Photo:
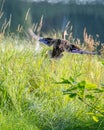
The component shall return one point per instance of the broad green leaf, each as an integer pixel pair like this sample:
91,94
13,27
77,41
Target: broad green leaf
90,113
70,89
81,85
72,95
95,118
90,86
65,81
89,96
97,90
72,79
103,62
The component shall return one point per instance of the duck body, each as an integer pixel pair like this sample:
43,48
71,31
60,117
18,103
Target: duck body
59,45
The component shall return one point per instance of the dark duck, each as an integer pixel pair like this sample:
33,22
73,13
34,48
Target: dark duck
59,45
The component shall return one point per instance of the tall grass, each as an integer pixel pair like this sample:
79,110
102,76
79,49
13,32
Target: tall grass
30,98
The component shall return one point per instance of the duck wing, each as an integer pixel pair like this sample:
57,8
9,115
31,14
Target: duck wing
75,49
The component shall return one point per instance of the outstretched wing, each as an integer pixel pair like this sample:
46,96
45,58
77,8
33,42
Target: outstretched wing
75,49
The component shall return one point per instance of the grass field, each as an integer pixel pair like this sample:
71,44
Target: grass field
33,87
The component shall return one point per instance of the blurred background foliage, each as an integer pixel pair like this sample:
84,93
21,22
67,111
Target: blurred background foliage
89,16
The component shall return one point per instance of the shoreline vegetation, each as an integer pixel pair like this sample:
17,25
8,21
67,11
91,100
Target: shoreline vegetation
41,93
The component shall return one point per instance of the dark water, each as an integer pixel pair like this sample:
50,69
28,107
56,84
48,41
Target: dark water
90,16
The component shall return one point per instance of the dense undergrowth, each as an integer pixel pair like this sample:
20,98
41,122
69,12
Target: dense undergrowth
35,90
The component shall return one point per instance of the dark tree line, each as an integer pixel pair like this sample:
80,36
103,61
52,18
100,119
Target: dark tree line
81,16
